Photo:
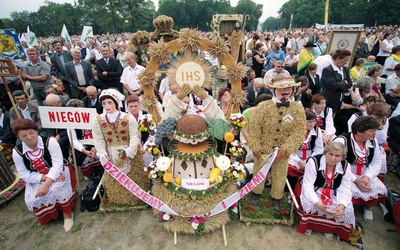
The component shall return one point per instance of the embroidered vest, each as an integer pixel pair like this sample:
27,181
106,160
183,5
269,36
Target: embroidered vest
352,157
320,182
46,157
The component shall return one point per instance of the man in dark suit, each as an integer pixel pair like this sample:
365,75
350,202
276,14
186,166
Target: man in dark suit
79,74
253,90
92,99
58,61
109,70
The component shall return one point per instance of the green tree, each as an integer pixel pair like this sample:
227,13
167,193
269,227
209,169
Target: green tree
119,15
252,9
193,13
19,21
272,23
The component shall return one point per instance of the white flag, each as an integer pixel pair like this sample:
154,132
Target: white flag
31,39
86,33
65,35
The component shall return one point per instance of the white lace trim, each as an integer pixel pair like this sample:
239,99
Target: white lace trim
377,188
347,218
59,192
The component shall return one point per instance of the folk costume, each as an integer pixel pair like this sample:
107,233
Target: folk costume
331,190
47,160
312,145
116,136
280,124
367,162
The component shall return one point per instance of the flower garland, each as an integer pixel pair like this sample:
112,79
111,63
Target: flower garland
147,123
158,170
238,121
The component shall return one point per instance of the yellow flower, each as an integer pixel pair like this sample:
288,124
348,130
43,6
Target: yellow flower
240,175
178,181
155,150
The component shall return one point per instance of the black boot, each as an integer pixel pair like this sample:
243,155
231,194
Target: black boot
255,199
276,204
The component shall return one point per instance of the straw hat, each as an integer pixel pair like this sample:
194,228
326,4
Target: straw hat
282,83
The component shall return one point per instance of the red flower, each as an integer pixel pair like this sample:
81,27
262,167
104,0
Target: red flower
123,132
124,138
283,212
104,125
124,124
268,203
106,202
253,209
109,133
109,140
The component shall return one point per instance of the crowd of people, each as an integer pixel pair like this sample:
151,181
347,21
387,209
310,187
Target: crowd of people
341,160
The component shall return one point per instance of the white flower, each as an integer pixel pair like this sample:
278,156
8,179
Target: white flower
195,225
223,162
152,172
163,163
166,217
235,174
154,176
145,169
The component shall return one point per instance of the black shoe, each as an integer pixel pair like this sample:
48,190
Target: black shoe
255,199
276,204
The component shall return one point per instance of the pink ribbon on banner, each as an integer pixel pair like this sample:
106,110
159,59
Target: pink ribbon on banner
156,203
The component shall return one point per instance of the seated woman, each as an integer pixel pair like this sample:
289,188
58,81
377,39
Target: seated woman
49,184
365,158
380,111
357,71
312,145
325,194
367,88
116,136
324,119
85,154
374,73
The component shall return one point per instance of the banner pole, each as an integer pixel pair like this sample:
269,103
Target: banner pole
11,97
74,158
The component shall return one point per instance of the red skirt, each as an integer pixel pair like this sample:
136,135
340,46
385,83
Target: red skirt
319,223
45,214
322,224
